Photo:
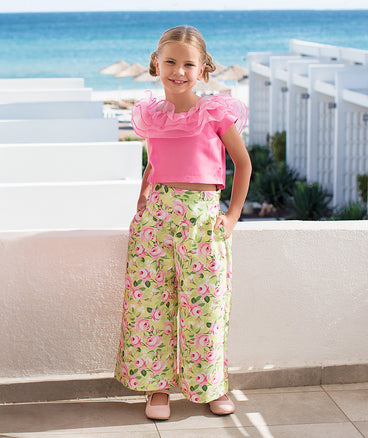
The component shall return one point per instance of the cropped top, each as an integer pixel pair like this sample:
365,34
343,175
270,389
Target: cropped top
186,147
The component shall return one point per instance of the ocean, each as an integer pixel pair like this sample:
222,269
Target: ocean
80,44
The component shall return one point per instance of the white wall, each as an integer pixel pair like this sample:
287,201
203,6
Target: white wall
299,297
51,110
61,162
31,83
58,130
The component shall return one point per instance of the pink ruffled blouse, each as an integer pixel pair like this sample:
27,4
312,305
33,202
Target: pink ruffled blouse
186,147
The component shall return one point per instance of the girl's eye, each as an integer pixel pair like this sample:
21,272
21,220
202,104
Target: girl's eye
170,62
189,65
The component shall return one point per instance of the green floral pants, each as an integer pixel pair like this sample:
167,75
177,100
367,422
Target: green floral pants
177,296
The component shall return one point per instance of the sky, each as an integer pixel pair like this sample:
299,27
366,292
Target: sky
157,5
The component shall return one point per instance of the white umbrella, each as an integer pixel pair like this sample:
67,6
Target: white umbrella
133,70
233,73
145,77
212,85
219,69
115,68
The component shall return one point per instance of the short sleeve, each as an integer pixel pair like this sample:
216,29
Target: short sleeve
224,124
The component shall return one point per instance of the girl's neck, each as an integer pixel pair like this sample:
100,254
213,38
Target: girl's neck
182,103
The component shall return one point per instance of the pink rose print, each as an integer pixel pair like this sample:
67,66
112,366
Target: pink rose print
159,225
133,382
179,207
157,252
216,378
215,328
201,379
153,341
182,322
135,340
182,251
204,249
172,342
142,324
163,384
124,370
185,233
128,282
194,397
131,231
158,366
203,290
139,250
195,310
219,291
124,323
165,296
160,278
137,294
168,327
212,356
197,267
144,274
125,305
179,191
138,216
201,340
182,341
154,198
140,363
214,266
195,357
156,314
213,210
184,300
185,386
147,233
178,270
168,241
163,215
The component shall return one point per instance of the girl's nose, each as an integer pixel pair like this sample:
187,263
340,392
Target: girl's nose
180,70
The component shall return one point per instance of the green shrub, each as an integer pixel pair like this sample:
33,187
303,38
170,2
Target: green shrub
144,158
261,159
308,202
353,212
362,181
276,184
278,146
226,192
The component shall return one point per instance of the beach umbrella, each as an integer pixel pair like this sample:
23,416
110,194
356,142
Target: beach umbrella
212,85
133,70
233,73
219,69
145,77
115,68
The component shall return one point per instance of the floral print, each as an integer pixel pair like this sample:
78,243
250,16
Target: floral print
177,296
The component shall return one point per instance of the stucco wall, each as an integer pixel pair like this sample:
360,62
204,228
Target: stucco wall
299,297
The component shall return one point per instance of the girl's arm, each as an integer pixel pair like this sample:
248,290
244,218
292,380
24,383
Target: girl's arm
143,195
243,169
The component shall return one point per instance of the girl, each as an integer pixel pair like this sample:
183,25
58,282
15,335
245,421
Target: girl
179,254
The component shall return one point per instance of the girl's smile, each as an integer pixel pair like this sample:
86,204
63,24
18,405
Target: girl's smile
179,66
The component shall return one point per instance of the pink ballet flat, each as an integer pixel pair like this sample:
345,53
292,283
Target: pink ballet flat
156,411
222,407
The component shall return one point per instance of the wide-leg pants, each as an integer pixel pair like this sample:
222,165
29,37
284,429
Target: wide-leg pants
177,296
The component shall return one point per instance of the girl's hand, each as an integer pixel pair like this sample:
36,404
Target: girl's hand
141,204
227,221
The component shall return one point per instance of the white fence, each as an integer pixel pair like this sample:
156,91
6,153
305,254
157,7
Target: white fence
319,95
61,166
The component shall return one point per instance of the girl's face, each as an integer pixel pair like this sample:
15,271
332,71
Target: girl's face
179,67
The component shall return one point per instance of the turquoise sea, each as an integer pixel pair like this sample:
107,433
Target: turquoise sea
80,44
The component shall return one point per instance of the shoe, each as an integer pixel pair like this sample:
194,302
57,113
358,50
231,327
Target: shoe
222,406
158,411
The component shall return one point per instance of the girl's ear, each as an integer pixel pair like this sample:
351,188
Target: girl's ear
201,71
157,68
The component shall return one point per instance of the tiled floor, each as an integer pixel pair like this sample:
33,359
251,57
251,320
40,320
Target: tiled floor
329,411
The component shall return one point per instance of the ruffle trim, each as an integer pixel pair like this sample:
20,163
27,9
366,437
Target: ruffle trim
155,117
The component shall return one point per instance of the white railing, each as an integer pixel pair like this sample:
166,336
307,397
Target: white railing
319,95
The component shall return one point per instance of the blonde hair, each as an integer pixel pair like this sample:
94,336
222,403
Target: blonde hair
185,35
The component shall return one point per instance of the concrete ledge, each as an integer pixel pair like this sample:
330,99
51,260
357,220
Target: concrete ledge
104,385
